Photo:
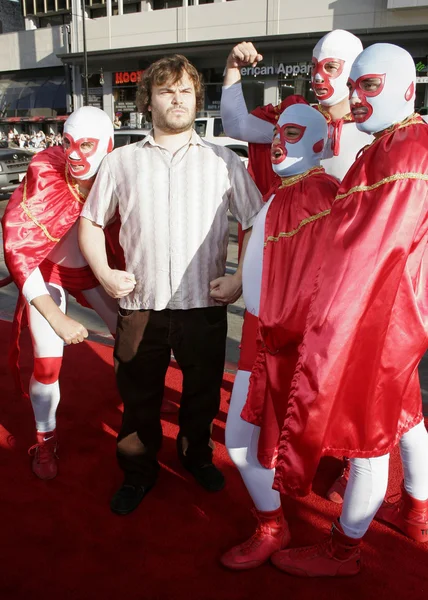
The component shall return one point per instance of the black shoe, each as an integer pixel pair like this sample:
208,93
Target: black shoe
208,476
127,498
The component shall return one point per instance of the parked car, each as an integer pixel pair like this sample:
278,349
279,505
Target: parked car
13,166
123,137
423,112
211,129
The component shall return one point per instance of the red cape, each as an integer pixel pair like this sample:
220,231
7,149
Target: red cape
293,233
356,388
38,215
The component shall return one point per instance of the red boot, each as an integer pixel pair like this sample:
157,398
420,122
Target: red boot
337,556
337,491
408,515
271,535
45,455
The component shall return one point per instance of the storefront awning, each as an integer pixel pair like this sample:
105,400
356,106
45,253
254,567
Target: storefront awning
60,118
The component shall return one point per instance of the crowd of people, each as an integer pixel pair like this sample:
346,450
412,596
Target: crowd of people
333,269
36,141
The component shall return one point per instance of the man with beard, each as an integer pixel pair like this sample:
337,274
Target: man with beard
173,191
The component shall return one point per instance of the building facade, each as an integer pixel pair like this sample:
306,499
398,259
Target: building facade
43,70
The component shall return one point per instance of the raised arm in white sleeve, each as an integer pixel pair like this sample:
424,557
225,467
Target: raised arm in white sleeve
237,122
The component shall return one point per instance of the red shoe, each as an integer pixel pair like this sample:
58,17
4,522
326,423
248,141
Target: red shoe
272,534
45,455
408,515
337,491
337,556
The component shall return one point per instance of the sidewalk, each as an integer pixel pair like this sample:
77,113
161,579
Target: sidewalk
98,331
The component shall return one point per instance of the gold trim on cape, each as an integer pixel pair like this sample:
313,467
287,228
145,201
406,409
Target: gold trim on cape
27,211
293,232
287,181
368,188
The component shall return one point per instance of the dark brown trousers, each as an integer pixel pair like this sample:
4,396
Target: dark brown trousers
144,340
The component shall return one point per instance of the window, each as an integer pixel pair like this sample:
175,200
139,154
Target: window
131,8
53,20
218,128
201,127
96,13
159,4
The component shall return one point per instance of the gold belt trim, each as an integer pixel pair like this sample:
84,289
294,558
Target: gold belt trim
29,214
288,234
368,188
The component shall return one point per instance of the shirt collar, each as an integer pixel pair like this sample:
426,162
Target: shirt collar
195,140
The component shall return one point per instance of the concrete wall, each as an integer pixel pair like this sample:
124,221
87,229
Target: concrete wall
245,19
407,3
31,49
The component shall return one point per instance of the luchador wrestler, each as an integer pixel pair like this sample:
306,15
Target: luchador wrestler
332,59
356,389
43,257
279,268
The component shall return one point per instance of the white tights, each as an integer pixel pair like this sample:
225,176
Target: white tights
368,479
46,344
242,440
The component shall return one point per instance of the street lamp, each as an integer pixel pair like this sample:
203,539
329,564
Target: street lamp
85,58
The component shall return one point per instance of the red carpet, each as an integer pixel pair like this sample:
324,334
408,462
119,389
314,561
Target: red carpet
59,539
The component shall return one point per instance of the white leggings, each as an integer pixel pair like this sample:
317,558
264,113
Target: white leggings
368,478
242,440
47,344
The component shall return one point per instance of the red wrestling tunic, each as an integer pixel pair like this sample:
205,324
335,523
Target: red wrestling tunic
293,246
356,388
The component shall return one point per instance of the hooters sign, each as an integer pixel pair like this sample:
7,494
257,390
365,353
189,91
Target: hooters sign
126,77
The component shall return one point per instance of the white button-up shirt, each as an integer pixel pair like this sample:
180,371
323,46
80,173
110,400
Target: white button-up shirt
173,210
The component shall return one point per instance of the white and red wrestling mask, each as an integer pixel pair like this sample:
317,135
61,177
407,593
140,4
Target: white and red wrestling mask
87,139
331,64
382,87
299,140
